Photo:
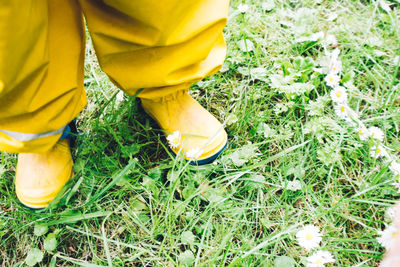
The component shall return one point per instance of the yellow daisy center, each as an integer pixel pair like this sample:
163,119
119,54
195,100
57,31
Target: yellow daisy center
175,140
361,132
378,150
319,261
309,237
342,109
331,79
338,94
395,234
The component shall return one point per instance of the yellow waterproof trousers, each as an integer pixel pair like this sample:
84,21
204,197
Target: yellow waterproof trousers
158,46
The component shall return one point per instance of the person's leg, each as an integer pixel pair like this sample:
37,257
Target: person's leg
392,257
41,91
41,72
163,47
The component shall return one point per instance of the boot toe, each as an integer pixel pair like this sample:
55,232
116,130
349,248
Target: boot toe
40,177
191,129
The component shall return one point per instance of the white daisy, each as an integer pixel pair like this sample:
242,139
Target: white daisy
194,153
341,111
293,185
243,8
309,237
378,151
376,133
395,167
339,94
363,133
332,79
319,259
336,66
387,236
174,139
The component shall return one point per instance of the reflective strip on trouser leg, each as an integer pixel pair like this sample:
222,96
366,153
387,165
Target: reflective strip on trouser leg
161,46
29,137
15,142
41,71
23,142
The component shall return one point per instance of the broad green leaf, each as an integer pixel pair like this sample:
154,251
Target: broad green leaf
255,181
50,243
259,73
231,119
284,261
155,173
138,205
34,256
40,229
187,238
214,195
186,258
124,181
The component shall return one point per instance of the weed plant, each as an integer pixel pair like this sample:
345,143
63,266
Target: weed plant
133,203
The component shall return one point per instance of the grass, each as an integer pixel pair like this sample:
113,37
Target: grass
132,203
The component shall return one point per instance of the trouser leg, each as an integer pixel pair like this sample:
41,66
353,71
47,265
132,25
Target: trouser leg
162,47
41,72
158,46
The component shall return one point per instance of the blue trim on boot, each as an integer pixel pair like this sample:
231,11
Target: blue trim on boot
209,159
34,209
67,133
70,131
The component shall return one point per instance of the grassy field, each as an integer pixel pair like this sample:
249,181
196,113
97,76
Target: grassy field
132,203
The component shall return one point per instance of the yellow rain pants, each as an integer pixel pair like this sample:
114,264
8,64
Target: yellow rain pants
158,46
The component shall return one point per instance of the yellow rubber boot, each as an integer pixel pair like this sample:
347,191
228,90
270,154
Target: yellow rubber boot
191,129
41,176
